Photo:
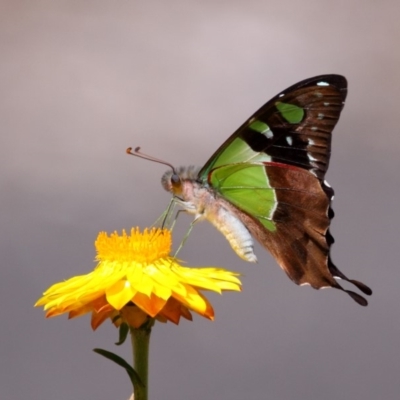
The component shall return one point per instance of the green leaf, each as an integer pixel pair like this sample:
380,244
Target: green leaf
123,333
133,375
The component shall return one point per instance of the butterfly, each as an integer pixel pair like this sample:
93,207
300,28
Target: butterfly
267,182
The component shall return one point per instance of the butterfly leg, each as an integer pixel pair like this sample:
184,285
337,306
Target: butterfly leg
176,218
186,235
166,215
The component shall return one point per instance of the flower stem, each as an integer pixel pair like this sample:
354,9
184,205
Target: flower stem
140,338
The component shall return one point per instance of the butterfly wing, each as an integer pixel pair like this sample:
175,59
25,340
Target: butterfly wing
272,171
292,128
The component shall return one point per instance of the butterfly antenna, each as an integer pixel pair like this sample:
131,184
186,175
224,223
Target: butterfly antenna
138,153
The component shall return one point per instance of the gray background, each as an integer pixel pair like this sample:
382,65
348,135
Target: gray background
82,80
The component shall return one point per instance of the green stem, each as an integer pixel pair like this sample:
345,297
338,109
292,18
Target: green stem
140,338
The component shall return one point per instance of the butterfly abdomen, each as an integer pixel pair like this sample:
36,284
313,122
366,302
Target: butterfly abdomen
234,230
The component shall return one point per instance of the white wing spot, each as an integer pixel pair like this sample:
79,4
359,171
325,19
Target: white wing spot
322,83
321,116
326,104
269,134
311,142
310,157
251,120
327,184
314,128
282,94
289,140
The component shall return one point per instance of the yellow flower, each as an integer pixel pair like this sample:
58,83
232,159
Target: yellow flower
136,279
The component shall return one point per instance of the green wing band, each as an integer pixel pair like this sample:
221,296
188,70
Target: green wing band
292,113
238,152
247,187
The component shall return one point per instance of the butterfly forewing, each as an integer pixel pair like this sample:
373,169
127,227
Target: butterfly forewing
293,128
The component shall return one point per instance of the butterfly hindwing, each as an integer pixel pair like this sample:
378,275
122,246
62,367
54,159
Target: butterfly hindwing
288,212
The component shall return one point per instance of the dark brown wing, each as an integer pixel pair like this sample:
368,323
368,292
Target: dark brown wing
301,241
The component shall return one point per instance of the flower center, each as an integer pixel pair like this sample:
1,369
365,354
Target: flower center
144,247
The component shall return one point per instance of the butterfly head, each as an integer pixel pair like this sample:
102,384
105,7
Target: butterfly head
174,181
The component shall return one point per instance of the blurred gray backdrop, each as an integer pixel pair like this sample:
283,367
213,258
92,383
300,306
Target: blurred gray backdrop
82,80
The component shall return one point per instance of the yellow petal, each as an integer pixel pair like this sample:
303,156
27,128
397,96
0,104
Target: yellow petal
119,294
98,319
150,305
